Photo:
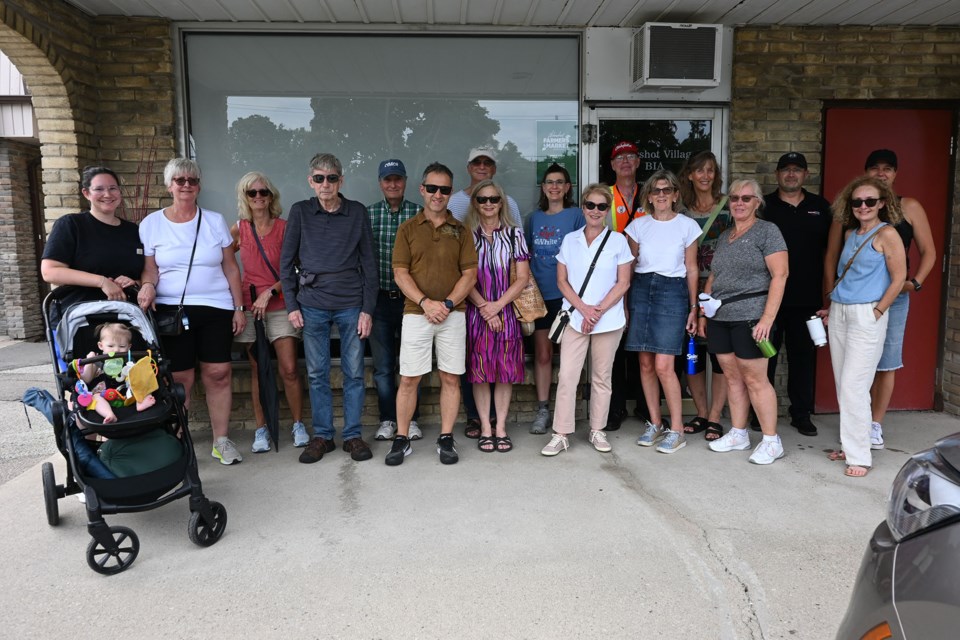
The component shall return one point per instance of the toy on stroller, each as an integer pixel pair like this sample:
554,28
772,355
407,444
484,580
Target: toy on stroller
141,478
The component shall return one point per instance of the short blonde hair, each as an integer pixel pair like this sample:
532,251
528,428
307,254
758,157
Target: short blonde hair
598,188
243,206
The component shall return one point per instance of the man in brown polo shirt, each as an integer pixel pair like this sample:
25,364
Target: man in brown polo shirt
435,265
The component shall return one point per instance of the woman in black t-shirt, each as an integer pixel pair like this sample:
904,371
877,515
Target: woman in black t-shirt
94,250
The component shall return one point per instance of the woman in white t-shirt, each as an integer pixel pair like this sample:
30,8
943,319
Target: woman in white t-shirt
596,317
663,302
207,280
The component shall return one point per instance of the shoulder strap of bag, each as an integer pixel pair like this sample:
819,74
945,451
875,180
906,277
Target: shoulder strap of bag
713,216
263,254
593,264
192,253
846,267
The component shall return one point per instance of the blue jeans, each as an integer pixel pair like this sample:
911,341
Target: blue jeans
384,342
316,346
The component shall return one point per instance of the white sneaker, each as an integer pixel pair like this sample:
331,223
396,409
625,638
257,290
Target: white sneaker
225,451
650,436
672,442
261,440
733,440
766,452
300,436
414,433
599,441
387,430
876,435
557,444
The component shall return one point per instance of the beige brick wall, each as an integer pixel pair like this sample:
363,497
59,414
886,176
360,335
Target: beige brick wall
783,75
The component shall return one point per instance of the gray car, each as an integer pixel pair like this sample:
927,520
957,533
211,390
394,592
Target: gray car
909,581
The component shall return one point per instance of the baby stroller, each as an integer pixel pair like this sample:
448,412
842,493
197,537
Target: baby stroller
114,548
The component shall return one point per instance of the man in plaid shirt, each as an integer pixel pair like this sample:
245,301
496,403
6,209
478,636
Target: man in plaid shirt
385,217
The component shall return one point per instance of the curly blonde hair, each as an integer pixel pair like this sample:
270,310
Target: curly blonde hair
843,211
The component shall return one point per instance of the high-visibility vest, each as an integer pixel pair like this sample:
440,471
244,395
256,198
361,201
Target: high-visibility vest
621,214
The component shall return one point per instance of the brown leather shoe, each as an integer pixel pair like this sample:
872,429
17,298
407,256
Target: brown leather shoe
357,449
315,450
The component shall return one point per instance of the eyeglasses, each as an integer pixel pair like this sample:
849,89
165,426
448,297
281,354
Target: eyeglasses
433,188
486,199
190,181
483,162
263,193
856,203
744,199
590,206
658,190
554,183
625,156
319,178
100,190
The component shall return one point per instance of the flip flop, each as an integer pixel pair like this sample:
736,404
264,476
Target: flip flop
856,471
837,456
696,425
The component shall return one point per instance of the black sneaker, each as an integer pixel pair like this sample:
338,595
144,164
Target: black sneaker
447,449
401,449
804,426
615,418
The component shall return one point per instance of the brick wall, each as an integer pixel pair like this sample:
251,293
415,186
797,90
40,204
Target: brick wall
783,75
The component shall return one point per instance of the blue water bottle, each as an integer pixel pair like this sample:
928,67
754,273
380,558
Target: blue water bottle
691,356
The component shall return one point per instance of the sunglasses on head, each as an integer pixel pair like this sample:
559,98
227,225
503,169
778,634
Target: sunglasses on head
190,181
600,206
658,190
486,199
319,178
856,203
433,188
263,193
744,199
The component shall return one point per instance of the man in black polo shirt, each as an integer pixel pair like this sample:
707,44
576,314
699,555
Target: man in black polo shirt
804,220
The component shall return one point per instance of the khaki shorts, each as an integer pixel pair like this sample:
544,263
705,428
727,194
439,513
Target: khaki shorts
418,336
277,325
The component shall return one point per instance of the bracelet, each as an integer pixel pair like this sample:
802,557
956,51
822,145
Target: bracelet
878,309
420,304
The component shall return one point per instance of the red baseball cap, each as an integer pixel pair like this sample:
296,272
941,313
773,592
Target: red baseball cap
624,147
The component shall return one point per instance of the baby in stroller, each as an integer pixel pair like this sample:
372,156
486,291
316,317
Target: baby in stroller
99,386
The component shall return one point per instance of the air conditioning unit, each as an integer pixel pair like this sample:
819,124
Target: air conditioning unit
676,56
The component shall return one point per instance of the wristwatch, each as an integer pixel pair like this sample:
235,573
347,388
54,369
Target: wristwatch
240,308
916,285
448,303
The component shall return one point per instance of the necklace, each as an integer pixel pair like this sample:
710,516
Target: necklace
737,233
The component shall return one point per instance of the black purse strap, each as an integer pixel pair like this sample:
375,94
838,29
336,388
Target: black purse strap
593,265
263,254
192,253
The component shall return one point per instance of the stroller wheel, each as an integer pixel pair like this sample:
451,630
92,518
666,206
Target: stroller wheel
50,494
108,562
205,533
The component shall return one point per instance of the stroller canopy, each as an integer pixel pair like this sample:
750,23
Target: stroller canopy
75,317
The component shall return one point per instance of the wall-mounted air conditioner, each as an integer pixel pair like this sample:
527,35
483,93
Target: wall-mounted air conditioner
676,56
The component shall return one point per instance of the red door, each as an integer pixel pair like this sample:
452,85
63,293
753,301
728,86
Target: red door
921,140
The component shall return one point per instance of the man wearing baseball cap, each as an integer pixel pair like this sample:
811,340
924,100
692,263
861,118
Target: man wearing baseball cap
804,220
481,165
386,216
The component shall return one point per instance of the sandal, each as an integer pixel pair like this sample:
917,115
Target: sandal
837,456
487,444
856,471
695,425
472,430
714,431
504,444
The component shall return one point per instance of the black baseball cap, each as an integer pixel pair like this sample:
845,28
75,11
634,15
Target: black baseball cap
885,156
792,158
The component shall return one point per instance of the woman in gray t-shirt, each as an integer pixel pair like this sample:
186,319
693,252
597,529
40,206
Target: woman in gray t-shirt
748,274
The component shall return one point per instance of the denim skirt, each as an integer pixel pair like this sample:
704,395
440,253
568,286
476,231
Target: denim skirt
658,314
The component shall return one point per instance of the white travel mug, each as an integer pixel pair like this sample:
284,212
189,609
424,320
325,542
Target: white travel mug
817,333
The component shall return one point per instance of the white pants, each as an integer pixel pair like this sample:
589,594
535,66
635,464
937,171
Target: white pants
856,344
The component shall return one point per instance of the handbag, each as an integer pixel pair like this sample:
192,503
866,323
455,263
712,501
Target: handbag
563,316
169,322
529,305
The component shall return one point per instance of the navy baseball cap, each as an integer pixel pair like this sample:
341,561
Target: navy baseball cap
392,168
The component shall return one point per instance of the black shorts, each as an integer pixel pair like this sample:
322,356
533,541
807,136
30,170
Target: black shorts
733,337
553,308
209,339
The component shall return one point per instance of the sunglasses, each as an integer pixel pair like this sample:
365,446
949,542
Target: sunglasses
433,188
483,162
856,203
486,199
263,193
658,190
600,206
319,178
190,181
743,199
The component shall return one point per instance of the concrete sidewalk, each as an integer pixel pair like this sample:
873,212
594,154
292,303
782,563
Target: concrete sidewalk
632,544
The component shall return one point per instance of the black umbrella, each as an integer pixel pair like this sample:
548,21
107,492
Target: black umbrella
269,399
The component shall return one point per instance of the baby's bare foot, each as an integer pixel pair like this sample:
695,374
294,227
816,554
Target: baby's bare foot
146,403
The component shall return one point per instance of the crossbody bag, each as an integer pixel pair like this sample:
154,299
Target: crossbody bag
563,317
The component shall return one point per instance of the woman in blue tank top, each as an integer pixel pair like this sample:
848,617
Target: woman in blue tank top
871,270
